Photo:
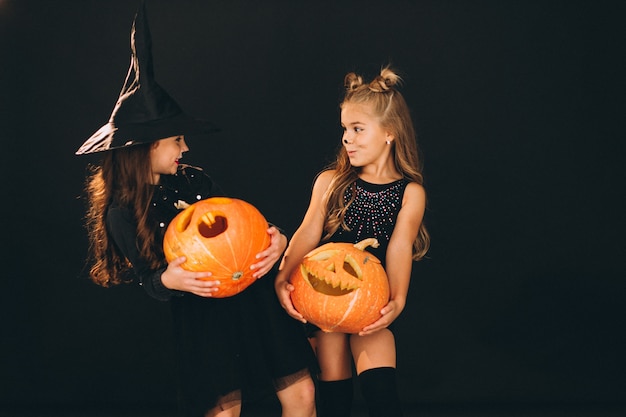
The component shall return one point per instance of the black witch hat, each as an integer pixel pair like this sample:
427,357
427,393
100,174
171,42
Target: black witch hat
144,112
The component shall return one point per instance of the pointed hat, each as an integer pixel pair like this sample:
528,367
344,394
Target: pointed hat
144,112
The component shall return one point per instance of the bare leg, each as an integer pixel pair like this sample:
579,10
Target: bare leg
373,351
298,399
375,359
333,356
335,387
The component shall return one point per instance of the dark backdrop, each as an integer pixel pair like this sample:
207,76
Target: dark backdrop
519,111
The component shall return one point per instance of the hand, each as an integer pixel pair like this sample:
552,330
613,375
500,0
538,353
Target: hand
177,278
389,313
278,243
283,291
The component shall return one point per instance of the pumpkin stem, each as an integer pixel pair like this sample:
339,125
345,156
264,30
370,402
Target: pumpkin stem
371,241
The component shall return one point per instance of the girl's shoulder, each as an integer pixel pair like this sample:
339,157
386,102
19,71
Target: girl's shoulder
414,191
324,178
322,182
415,186
326,175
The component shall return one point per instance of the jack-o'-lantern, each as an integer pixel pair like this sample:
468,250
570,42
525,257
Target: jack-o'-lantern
340,287
219,235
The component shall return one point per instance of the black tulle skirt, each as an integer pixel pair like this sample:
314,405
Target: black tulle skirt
241,348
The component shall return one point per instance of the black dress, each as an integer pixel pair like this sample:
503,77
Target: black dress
373,213
243,347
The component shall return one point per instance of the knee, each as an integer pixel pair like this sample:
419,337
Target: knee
305,391
299,396
308,392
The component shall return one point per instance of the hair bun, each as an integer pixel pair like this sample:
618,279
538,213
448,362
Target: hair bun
352,81
385,81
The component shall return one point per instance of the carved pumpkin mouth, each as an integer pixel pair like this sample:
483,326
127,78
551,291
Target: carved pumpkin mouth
212,224
331,272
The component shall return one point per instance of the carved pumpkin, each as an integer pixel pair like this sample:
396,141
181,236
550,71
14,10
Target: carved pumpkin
340,287
219,235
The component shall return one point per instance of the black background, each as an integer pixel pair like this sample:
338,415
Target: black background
519,111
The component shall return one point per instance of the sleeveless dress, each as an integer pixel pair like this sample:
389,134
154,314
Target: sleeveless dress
240,348
373,213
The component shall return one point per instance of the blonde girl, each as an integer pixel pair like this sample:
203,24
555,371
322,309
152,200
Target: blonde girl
373,189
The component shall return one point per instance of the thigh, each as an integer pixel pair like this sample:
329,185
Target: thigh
373,351
333,356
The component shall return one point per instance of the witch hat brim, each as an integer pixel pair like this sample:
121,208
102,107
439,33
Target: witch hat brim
144,111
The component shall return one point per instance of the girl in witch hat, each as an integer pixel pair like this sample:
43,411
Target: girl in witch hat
230,350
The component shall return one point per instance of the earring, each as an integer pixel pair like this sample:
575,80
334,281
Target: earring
388,142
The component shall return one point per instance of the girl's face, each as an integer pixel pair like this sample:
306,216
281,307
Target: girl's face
364,139
165,154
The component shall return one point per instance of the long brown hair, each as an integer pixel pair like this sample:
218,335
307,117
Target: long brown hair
389,105
123,179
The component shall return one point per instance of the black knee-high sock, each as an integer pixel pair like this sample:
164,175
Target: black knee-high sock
334,398
380,392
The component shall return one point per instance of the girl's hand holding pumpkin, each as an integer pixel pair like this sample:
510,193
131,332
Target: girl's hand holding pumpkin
177,278
389,313
283,291
268,257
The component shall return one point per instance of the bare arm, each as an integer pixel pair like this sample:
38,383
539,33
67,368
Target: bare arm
305,239
399,255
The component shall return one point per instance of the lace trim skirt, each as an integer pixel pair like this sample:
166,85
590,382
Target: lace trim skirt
237,349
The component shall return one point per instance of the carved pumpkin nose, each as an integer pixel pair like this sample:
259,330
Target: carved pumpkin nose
332,272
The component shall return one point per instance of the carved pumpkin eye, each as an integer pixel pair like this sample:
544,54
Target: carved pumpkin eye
219,235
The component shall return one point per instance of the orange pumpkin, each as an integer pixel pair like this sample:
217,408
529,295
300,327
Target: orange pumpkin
219,235
340,287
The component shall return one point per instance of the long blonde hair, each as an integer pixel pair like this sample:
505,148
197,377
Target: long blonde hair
386,102
123,179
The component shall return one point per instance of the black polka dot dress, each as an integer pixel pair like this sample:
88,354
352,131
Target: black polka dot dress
240,348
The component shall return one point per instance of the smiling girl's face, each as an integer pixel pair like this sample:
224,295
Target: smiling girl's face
165,154
364,138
